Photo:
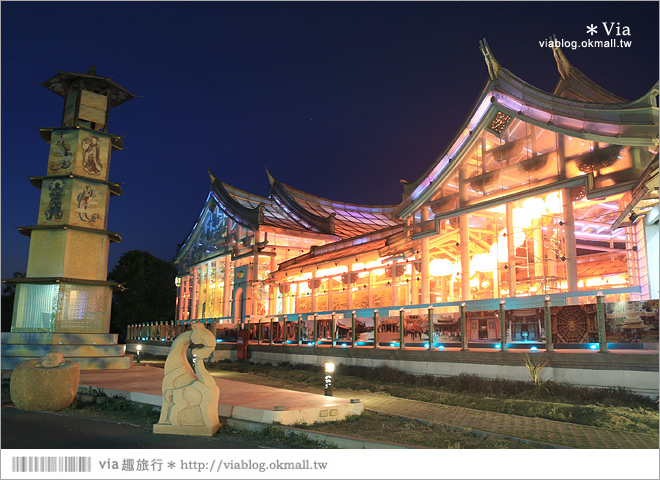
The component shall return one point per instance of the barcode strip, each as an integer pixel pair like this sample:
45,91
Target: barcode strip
51,464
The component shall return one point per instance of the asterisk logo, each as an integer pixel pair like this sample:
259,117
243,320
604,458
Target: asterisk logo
591,29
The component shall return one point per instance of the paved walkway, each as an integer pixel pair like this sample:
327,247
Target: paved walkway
535,429
560,434
239,400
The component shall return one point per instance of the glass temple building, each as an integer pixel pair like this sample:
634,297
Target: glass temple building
538,196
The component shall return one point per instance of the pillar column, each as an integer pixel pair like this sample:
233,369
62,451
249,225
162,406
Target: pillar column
370,293
511,247
600,312
349,287
402,331
395,287
503,327
314,292
226,300
549,347
333,330
353,315
431,328
375,328
464,235
414,293
464,226
194,293
464,336
270,332
424,266
539,271
569,240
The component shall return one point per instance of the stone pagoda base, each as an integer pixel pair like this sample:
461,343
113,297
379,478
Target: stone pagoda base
92,351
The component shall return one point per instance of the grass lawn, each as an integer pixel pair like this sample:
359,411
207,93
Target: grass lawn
374,426
616,409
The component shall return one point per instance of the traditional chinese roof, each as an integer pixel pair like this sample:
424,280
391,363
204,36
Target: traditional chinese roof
308,219
345,220
612,121
294,209
350,219
286,210
116,93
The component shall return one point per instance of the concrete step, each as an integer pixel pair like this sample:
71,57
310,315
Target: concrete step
31,338
86,363
16,350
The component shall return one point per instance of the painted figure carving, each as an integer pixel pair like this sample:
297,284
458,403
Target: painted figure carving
65,151
92,155
56,196
190,399
86,199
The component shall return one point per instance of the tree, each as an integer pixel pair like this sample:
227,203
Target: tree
8,296
149,291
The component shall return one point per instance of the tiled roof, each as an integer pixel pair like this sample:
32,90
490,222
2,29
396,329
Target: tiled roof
350,220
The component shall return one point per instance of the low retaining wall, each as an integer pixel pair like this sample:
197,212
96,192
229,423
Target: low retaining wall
222,351
635,371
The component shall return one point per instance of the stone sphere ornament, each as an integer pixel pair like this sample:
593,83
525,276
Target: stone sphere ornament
44,384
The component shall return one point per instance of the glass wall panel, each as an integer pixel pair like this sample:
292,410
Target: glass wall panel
602,255
35,308
360,291
381,288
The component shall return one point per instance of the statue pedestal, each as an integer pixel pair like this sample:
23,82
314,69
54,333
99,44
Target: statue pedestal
202,431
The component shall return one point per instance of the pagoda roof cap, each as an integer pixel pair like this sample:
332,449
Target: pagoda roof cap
116,95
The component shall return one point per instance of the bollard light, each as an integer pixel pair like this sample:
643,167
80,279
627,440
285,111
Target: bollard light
138,349
329,368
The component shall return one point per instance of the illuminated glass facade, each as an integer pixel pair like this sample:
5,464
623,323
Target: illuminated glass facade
522,204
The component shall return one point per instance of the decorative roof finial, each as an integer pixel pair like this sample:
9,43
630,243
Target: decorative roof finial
92,70
211,176
271,179
563,65
493,65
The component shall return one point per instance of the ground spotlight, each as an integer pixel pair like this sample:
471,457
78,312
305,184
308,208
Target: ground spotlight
329,368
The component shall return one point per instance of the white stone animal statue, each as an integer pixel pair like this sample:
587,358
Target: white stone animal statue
190,398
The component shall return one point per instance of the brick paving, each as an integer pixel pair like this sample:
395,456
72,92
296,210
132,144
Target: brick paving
561,434
529,428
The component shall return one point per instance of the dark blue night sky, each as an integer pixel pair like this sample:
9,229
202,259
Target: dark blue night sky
338,99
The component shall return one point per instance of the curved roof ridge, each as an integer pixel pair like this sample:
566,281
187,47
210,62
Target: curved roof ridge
503,74
573,78
513,79
296,193
307,218
249,217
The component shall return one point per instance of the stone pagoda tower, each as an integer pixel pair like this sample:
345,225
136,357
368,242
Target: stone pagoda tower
63,303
